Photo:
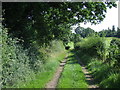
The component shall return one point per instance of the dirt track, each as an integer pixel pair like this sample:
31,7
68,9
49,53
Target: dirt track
54,81
89,78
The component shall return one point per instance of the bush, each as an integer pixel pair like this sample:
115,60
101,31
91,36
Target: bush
105,74
113,81
22,64
77,46
18,64
102,56
93,46
114,51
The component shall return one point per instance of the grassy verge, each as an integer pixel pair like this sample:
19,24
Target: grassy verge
72,76
47,73
101,56
105,75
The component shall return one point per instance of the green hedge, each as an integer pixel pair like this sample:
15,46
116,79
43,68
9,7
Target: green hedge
102,57
21,65
18,64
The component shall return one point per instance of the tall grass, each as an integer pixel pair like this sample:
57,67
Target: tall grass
101,55
113,81
21,66
47,72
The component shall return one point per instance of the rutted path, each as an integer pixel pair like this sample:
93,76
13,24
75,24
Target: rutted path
89,78
54,81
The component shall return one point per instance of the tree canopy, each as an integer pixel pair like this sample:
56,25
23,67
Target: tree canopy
44,21
84,32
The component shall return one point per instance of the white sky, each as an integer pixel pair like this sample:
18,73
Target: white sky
110,20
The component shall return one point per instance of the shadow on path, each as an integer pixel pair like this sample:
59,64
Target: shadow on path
72,59
88,76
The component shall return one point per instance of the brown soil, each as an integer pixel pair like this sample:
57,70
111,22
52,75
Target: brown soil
54,81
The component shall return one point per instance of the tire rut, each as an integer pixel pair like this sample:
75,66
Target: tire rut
88,77
53,83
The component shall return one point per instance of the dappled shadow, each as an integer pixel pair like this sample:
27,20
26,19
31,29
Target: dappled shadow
72,59
71,56
91,82
72,51
72,62
90,79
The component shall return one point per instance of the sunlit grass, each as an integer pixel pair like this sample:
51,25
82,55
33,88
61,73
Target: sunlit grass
71,44
72,76
47,73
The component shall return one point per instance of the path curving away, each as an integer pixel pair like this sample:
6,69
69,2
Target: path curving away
54,81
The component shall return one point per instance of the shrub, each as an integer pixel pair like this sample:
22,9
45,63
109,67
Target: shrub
21,64
102,56
113,81
114,51
77,45
105,74
18,64
93,46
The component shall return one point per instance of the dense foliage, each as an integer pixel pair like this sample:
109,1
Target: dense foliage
84,32
102,56
33,35
110,32
43,22
21,65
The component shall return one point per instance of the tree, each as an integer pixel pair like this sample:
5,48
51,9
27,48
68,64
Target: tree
41,22
113,31
84,32
118,32
108,32
76,38
103,33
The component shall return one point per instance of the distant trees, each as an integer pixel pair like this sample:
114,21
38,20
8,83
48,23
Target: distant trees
113,31
84,32
110,32
118,32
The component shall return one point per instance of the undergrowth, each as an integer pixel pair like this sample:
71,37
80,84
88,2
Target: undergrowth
101,56
25,67
47,72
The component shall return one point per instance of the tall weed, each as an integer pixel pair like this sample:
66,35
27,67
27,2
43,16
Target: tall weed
15,62
102,56
22,65
113,81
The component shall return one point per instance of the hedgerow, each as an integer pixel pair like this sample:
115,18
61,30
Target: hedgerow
20,65
102,57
